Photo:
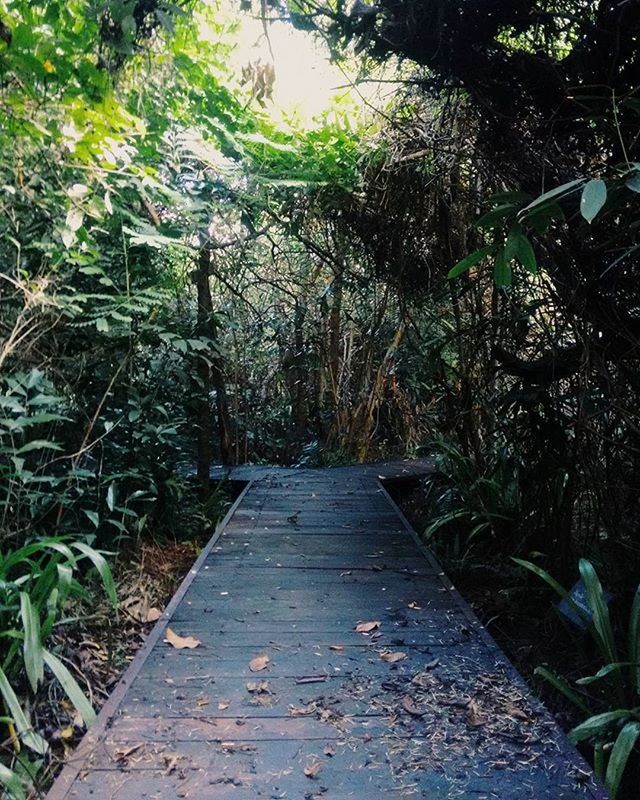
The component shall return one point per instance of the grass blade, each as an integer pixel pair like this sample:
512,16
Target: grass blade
12,783
563,687
619,757
31,739
594,725
71,688
32,644
99,562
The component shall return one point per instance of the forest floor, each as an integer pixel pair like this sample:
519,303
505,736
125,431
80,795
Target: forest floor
99,645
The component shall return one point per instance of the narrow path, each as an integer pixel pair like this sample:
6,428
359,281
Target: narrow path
335,661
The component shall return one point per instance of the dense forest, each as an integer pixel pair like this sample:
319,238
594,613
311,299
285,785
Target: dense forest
438,258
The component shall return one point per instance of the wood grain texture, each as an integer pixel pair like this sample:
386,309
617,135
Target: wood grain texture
419,703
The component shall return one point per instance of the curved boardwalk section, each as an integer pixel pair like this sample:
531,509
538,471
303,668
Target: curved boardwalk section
333,661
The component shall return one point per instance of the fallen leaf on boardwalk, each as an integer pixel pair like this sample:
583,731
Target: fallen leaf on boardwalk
474,714
312,770
392,658
367,627
123,755
302,711
258,687
329,751
171,761
345,574
414,606
223,706
259,663
513,711
411,708
153,614
337,647
202,701
181,642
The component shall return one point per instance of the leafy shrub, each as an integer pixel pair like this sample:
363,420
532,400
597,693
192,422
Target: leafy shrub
36,581
612,697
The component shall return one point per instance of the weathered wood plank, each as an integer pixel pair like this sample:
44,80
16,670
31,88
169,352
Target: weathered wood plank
334,715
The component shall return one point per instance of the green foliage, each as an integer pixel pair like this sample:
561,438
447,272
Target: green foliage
615,686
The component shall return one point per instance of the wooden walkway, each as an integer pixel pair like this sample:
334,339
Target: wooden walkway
335,661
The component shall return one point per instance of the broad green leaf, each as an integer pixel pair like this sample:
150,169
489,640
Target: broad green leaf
38,444
554,194
603,672
633,182
502,274
496,217
32,645
594,196
99,562
74,220
71,688
470,261
26,733
12,783
518,247
634,639
563,687
599,610
92,516
111,496
619,757
597,724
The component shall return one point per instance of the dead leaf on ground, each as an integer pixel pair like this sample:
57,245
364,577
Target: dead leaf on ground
367,627
153,614
410,707
123,755
475,716
337,647
223,706
259,663
414,606
393,658
258,687
329,751
171,762
181,642
312,770
302,711
202,701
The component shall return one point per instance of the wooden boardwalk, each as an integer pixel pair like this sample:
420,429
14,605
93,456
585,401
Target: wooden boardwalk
335,661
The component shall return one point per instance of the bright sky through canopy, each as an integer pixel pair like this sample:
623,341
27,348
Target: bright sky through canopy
306,83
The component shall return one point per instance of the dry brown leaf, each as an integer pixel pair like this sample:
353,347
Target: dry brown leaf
259,663
123,755
302,711
202,701
474,714
337,647
258,687
181,642
392,658
312,770
223,706
410,707
367,627
153,614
